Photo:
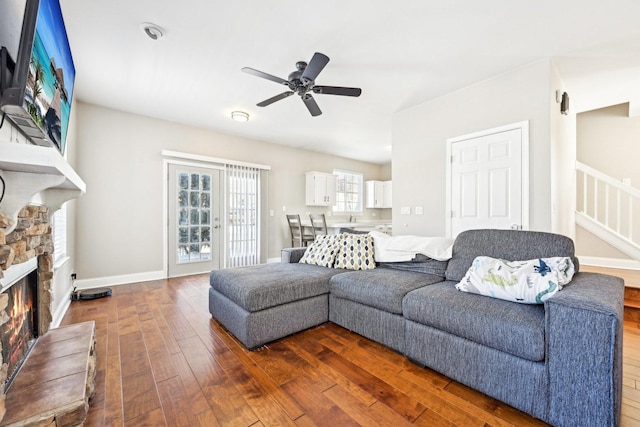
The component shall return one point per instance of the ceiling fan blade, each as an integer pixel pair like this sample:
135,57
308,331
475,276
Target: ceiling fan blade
265,75
317,63
271,100
336,90
311,104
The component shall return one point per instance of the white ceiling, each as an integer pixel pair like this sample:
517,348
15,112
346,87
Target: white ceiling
400,53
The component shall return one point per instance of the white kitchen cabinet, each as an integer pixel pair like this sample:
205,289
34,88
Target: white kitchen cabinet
378,194
320,189
386,195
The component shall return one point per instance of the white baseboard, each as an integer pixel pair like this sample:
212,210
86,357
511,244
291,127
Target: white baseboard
99,282
625,264
271,260
61,311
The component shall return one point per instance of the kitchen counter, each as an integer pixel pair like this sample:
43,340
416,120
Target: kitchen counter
334,227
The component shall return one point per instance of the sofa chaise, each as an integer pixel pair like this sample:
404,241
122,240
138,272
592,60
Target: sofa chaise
560,361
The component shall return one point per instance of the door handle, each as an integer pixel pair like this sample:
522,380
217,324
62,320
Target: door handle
515,227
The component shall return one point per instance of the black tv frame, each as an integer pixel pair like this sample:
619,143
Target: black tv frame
13,80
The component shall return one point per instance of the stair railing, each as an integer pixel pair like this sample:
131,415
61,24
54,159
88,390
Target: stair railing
608,202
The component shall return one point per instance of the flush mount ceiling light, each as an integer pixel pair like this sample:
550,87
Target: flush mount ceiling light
152,30
240,116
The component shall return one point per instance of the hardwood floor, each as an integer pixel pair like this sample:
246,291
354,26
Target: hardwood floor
162,360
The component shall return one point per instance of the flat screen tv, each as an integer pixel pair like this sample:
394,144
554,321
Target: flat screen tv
36,85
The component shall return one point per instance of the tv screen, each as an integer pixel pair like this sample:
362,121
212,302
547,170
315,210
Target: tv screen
39,101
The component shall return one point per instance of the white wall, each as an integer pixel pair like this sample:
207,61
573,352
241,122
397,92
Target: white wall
119,220
62,283
420,134
562,160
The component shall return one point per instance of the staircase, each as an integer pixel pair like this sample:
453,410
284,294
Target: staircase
606,207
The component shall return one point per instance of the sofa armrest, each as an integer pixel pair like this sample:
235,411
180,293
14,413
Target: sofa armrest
584,351
292,255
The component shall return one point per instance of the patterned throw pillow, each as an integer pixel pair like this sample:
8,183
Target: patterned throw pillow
528,282
322,251
356,252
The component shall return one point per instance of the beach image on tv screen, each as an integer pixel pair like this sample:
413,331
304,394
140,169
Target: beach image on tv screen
51,75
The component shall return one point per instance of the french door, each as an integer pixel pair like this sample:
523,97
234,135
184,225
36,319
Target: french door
195,224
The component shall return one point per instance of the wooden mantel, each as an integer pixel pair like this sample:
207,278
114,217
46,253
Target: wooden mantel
35,175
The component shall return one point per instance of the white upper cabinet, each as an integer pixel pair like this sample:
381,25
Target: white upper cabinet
386,194
320,189
378,194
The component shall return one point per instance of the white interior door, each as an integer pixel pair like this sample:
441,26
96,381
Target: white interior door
488,181
194,220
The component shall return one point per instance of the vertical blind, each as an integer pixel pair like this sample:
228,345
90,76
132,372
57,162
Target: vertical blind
243,228
59,220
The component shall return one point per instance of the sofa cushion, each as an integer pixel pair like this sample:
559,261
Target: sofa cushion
380,288
322,251
511,245
356,252
262,286
517,329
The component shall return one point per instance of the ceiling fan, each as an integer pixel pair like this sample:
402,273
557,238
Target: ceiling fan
302,82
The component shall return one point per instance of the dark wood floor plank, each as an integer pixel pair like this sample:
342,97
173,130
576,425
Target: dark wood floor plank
197,401
113,405
305,347
218,388
201,362
431,397
284,400
133,354
261,403
488,404
432,419
375,415
161,362
207,419
228,405
153,418
382,391
282,364
175,403
320,409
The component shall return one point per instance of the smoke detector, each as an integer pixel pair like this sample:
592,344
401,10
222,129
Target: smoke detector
152,31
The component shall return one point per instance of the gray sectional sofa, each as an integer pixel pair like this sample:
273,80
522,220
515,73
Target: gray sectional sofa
560,361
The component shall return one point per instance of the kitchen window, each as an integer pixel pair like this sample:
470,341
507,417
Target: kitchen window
349,188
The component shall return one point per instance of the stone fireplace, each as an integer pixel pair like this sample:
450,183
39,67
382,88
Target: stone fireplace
36,181
29,243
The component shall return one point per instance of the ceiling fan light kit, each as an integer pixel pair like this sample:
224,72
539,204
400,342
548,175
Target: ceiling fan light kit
302,81
240,116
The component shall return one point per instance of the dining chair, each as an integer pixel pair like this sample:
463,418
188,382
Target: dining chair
319,224
298,237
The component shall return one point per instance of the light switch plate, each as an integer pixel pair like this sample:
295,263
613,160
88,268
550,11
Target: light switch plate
419,210
405,210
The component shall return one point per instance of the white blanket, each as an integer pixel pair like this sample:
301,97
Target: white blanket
405,248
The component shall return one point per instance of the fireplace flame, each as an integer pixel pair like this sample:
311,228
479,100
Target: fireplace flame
19,331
